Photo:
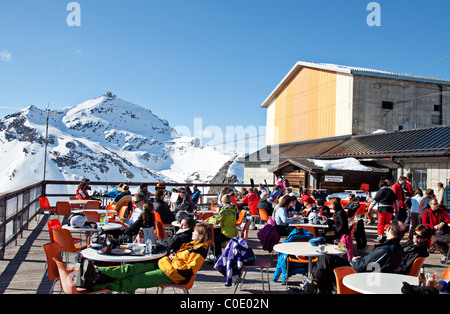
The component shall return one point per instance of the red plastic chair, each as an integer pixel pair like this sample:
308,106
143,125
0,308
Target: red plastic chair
54,223
44,204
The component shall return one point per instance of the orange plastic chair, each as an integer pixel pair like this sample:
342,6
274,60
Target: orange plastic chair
44,204
212,202
54,223
446,274
186,287
68,281
310,229
365,187
63,240
63,208
245,230
241,218
80,197
92,205
415,268
340,273
263,214
122,211
159,230
51,251
298,260
111,207
157,216
92,216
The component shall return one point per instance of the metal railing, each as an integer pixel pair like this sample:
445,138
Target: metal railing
19,206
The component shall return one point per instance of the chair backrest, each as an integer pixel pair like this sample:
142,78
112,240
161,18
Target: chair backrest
111,207
446,274
122,211
92,216
263,214
63,208
66,278
51,251
92,205
44,203
157,216
310,229
340,273
415,268
212,202
159,228
245,230
73,198
241,217
80,197
54,223
63,240
233,200
365,187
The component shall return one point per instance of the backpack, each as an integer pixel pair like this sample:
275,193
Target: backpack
102,242
268,235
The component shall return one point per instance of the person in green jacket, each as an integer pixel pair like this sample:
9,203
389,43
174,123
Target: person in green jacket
227,220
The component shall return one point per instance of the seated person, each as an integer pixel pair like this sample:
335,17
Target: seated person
385,257
82,193
143,189
139,201
195,195
295,205
306,199
282,220
322,209
275,194
167,216
123,198
227,220
177,268
182,202
340,218
264,204
115,192
250,197
352,206
414,248
183,235
437,219
145,220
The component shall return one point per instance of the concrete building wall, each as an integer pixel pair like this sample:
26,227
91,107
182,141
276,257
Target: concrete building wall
259,173
414,104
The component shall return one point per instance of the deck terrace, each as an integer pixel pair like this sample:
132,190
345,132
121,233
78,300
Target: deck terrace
22,271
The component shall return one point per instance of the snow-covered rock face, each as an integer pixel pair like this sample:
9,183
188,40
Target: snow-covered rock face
104,139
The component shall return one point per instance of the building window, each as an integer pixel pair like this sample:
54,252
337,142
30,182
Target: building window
400,127
389,105
436,119
437,108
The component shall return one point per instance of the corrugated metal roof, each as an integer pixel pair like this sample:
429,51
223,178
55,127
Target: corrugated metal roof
408,143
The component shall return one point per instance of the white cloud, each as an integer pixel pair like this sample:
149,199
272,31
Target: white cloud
5,56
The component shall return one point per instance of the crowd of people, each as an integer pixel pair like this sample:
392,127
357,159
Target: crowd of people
399,210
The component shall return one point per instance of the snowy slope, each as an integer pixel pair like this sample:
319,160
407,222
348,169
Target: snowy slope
104,139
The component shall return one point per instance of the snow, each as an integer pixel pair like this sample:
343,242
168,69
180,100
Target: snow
340,164
104,139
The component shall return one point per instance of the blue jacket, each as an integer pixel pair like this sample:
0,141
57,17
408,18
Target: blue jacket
281,268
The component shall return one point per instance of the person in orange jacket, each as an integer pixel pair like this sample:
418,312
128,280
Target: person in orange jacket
177,268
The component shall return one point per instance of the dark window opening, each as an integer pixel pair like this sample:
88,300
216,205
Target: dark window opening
389,105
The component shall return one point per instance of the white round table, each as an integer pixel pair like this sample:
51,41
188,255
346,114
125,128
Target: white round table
100,226
378,283
100,211
93,255
307,250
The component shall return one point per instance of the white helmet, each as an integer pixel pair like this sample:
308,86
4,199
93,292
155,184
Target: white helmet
77,220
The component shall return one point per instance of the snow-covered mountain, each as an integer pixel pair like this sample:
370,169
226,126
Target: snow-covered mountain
104,139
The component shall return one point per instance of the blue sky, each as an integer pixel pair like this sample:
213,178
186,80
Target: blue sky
209,59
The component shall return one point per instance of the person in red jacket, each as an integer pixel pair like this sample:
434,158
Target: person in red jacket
437,219
249,198
398,190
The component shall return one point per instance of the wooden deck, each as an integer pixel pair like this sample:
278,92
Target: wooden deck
23,269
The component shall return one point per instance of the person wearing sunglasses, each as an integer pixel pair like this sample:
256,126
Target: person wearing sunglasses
415,247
